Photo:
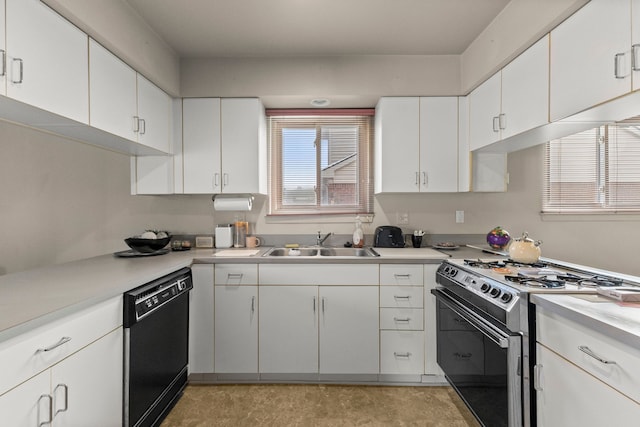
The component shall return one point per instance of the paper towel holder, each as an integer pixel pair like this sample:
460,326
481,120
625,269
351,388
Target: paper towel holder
232,202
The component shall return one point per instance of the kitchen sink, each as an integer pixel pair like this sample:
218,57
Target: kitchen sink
357,252
321,252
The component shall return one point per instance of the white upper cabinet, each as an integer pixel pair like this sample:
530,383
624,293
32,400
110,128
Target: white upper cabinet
416,147
113,93
590,57
224,146
513,100
439,144
47,60
3,50
397,144
154,115
201,145
244,146
635,43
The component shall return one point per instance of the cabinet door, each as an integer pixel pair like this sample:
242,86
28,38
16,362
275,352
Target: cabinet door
154,111
243,145
28,404
525,90
349,339
87,387
201,320
3,50
288,329
635,43
201,145
439,144
113,93
397,142
484,112
47,60
583,54
568,396
236,329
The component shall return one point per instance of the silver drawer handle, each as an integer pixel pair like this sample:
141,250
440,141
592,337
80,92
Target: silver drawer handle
589,352
63,340
400,319
234,276
406,355
402,297
66,397
21,73
404,276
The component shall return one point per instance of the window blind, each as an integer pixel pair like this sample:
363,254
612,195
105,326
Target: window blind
320,164
596,171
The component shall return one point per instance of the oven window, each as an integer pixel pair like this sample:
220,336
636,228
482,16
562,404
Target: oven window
475,366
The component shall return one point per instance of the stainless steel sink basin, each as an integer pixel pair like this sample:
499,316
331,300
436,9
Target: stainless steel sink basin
320,252
347,252
292,252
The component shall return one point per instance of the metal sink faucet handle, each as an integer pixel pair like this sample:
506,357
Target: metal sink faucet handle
320,240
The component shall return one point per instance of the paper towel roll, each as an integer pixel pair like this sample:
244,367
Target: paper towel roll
232,203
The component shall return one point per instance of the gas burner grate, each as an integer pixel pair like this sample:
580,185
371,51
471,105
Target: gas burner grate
478,263
590,282
538,264
537,282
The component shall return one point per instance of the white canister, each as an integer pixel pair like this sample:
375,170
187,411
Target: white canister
224,236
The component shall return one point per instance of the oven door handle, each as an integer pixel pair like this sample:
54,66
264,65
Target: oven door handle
484,326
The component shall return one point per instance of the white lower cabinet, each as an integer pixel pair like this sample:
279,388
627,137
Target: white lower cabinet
201,320
236,329
401,352
289,329
568,396
349,330
67,372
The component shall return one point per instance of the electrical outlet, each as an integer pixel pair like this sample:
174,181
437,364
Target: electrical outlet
402,218
459,217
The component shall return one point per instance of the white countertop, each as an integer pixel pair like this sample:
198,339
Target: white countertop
36,297
602,314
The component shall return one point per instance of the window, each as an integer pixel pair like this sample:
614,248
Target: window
320,163
596,171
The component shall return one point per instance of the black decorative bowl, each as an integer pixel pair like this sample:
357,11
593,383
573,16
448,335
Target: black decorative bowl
146,246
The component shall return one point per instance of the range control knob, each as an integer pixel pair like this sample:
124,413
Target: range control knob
485,288
495,292
506,297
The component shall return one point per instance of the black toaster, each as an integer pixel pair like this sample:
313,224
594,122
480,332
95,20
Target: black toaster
388,236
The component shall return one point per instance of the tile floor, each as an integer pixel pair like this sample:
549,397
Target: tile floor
318,405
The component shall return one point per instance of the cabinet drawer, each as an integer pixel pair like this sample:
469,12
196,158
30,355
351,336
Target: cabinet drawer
236,274
319,274
401,274
32,352
401,296
567,338
402,319
401,352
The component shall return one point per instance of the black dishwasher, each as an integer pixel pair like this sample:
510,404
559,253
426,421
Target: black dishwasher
156,346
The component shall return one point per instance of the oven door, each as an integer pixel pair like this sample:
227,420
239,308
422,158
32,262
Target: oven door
481,360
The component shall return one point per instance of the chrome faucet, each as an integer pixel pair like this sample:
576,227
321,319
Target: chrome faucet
320,240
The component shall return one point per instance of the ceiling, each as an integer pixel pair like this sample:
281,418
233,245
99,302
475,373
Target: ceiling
255,28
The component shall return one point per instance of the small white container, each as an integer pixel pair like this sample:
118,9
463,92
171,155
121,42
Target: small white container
224,236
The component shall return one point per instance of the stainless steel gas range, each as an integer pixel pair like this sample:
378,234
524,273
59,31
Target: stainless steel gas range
486,330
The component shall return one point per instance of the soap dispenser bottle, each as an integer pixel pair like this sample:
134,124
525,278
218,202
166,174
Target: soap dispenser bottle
358,234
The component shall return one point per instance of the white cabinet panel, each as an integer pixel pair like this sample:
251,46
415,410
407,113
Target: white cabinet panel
201,322
113,104
349,340
568,396
484,112
525,90
319,274
3,49
47,60
635,43
401,274
288,329
430,306
154,113
28,404
584,51
236,329
236,274
401,352
201,145
409,319
397,144
439,144
401,296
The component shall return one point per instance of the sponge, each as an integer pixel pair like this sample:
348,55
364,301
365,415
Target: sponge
292,245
